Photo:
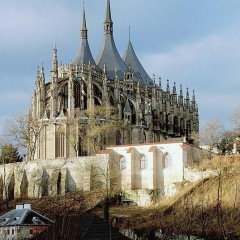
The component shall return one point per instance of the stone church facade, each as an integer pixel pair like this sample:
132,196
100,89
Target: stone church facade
150,114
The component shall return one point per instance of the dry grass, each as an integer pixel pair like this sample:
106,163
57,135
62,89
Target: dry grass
209,208
72,203
217,162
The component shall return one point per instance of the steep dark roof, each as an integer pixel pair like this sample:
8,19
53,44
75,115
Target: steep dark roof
109,55
84,55
23,217
130,58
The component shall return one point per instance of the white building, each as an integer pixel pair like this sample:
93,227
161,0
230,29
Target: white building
153,166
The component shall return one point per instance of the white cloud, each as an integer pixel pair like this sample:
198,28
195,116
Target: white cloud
210,66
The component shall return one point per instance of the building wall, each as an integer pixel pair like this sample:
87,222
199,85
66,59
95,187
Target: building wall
45,177
148,166
154,175
20,232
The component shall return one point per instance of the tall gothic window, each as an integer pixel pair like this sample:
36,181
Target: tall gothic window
175,126
60,144
77,94
167,161
122,163
64,95
182,132
118,138
188,128
143,162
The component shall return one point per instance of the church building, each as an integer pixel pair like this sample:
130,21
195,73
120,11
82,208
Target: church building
150,114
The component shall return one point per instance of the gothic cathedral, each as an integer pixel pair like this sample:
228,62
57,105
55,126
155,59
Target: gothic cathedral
150,114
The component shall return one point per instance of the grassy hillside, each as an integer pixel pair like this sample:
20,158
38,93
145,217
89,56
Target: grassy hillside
73,203
209,208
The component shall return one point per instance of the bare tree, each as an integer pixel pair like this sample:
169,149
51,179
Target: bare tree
210,134
93,128
76,130
105,175
102,122
226,144
236,120
25,130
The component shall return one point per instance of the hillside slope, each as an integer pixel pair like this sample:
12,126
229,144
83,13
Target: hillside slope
209,208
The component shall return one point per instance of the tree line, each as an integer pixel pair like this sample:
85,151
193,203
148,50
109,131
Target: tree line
216,138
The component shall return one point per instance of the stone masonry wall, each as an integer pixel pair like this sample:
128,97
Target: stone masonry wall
44,178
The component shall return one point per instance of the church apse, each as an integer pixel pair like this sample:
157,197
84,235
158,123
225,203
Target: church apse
150,113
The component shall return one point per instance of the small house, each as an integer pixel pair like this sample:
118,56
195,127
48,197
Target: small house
22,223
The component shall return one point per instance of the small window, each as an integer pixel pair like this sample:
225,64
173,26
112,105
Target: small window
122,163
143,162
167,161
12,231
8,232
31,231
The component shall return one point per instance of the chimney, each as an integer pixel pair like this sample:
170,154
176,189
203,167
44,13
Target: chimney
27,206
19,206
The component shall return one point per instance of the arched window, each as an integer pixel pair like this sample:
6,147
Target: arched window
167,161
64,95
122,163
143,162
77,94
118,138
60,144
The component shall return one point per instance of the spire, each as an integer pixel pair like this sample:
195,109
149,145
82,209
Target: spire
84,55
193,96
153,81
38,72
108,24
84,25
193,101
174,94
38,77
174,88
181,92
42,75
180,98
187,100
54,59
187,95
168,88
54,71
160,84
129,33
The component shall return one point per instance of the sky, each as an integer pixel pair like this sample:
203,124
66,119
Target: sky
190,42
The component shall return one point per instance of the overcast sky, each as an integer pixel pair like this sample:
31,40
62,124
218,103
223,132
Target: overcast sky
190,42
